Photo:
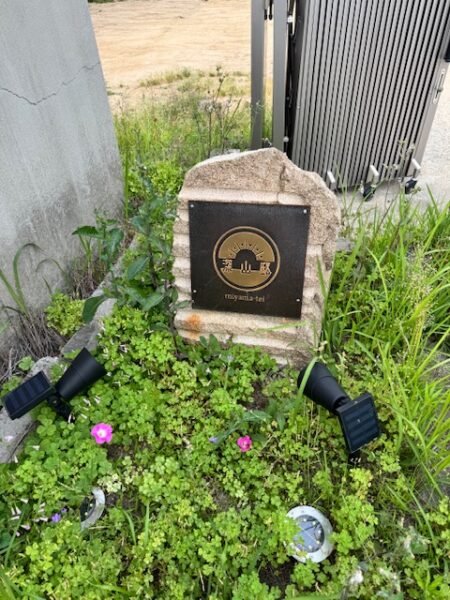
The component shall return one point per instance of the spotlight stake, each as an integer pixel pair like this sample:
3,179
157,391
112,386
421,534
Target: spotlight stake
81,374
358,418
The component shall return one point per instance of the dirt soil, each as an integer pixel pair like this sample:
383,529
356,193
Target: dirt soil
138,39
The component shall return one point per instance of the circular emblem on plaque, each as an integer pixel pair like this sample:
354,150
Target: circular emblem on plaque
246,259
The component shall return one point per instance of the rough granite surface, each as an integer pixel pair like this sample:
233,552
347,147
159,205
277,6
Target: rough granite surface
262,177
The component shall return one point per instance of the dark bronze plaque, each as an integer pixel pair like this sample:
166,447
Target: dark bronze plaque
248,258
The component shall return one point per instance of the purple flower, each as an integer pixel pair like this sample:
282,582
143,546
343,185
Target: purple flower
56,518
244,443
214,439
102,432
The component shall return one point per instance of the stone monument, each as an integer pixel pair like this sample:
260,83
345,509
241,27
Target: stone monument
254,239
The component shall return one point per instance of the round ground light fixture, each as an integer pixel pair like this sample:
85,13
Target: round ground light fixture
313,539
92,508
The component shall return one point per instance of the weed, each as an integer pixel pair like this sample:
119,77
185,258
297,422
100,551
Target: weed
64,314
216,118
189,519
147,279
167,77
27,327
31,337
14,288
170,137
387,321
102,241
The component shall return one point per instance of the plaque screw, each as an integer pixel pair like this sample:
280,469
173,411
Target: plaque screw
192,206
305,210
297,299
194,291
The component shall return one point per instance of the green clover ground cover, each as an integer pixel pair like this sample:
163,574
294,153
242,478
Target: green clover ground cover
187,518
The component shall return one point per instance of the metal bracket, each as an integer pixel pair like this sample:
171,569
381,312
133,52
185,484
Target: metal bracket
416,168
439,87
373,175
331,180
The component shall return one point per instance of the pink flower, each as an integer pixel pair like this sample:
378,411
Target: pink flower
244,443
102,433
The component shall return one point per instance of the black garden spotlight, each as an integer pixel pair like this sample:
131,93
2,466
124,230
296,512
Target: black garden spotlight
358,418
81,374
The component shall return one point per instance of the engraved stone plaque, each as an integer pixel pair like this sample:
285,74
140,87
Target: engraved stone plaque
248,258
254,242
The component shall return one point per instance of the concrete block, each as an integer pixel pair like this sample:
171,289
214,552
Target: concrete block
59,160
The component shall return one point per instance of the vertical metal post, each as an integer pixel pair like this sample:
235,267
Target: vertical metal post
258,39
280,43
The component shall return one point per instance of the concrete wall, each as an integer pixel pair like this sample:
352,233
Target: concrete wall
58,153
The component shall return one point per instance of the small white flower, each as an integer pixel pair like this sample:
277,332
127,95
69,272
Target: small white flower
407,545
392,577
356,578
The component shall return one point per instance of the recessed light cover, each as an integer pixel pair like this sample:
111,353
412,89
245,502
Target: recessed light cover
313,540
92,508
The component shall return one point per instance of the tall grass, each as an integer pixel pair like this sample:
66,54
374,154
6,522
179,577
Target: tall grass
168,137
387,322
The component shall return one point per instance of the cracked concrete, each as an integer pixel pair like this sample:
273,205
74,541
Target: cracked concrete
59,161
51,95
